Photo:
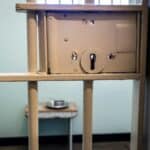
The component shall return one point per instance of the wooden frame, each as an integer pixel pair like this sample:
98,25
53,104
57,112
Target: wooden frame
33,76
75,8
15,77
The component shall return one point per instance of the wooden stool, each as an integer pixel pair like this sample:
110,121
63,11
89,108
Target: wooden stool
67,113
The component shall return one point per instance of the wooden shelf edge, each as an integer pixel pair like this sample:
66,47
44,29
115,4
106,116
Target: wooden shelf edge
74,8
16,77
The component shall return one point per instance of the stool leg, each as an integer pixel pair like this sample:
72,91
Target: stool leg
70,134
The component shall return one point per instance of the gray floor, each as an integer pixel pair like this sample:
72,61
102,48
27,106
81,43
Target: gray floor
96,146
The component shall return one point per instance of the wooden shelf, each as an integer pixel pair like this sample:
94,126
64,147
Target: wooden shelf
75,8
20,77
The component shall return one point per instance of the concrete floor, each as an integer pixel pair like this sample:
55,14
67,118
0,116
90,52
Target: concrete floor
96,146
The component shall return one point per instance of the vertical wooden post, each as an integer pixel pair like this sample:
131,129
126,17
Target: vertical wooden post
32,86
32,41
87,130
33,116
42,42
137,133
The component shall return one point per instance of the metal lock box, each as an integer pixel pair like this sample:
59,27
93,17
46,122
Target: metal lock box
92,42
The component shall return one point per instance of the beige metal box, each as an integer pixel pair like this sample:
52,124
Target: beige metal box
92,42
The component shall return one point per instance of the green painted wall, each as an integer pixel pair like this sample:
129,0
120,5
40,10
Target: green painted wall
112,99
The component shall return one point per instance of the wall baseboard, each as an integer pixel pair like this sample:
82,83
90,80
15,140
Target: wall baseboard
63,139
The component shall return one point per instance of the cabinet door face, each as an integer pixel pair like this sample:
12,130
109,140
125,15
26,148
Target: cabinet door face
74,39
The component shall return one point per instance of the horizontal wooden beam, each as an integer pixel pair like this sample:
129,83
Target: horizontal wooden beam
20,77
75,8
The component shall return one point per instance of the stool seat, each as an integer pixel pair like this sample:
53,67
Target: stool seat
45,112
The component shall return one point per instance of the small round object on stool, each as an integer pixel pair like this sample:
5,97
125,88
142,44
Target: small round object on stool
57,104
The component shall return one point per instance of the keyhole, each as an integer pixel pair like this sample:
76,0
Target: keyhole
92,61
